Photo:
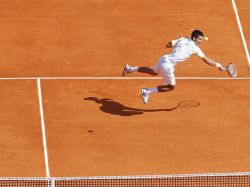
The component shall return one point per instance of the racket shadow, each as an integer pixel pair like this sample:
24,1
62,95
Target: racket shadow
115,108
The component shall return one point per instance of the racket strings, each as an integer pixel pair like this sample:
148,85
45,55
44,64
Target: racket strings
231,69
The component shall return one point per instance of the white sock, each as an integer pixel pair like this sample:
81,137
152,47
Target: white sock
152,90
134,69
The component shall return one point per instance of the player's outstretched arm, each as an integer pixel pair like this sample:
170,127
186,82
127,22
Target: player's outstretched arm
213,63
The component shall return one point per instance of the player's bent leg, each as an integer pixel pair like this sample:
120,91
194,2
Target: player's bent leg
129,69
145,95
165,88
145,92
147,70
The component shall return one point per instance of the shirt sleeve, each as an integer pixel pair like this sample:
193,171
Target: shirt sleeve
198,52
173,42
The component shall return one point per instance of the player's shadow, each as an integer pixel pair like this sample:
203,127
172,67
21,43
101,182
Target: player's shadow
113,107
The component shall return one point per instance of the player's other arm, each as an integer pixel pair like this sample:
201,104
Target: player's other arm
211,62
169,44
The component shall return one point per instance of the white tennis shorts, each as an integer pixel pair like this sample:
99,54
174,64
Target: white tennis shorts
166,68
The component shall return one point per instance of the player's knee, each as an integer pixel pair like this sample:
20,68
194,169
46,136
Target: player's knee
147,70
166,88
154,73
171,87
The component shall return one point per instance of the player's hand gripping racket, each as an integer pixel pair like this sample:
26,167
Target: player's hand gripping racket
231,70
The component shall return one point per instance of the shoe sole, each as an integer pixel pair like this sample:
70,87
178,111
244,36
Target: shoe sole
142,96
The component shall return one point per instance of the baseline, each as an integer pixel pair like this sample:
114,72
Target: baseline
123,78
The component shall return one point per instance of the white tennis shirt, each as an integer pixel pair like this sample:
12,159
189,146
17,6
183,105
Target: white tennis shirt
183,49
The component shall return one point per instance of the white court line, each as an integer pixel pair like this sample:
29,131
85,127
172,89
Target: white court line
43,128
123,78
233,174
241,31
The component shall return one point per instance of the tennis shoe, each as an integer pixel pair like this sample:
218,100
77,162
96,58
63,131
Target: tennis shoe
145,95
126,70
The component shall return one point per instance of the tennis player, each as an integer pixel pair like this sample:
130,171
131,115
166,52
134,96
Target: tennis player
183,48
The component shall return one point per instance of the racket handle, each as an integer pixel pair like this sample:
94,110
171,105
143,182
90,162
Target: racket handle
223,69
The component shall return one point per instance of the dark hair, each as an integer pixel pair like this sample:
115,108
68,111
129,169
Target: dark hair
196,34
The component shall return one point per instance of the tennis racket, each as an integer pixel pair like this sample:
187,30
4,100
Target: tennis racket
231,70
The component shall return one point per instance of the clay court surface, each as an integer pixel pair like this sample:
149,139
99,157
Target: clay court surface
99,126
